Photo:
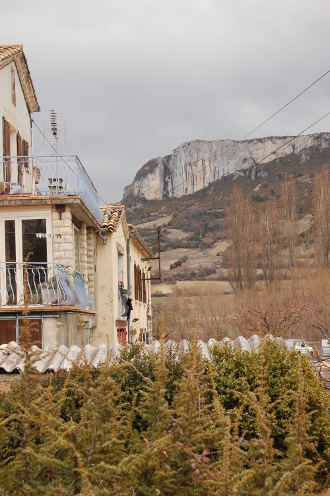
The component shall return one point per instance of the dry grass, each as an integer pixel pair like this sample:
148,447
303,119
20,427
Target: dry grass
295,308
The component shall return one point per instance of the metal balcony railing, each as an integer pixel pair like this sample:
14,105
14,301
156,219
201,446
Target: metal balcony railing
48,176
42,284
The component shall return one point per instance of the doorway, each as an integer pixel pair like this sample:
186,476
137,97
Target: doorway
24,249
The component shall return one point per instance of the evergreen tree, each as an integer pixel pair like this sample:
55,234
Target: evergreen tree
101,437
191,436
228,469
153,472
261,454
298,473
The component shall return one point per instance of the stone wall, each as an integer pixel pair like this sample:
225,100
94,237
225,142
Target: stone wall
91,259
63,242
68,328
83,250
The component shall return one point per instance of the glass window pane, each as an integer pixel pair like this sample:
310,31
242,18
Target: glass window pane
10,241
10,249
34,240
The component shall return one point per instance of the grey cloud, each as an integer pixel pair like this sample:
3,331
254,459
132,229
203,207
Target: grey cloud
135,78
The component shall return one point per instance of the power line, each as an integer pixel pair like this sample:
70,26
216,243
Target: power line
287,104
293,138
44,136
53,147
60,156
266,156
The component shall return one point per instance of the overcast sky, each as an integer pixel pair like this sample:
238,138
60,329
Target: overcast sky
135,78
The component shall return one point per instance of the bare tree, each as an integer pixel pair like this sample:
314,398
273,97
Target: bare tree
288,201
321,209
268,240
241,231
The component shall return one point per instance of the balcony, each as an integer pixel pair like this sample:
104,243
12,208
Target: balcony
48,176
42,284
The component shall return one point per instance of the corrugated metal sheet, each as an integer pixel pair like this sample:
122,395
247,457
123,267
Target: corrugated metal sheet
48,360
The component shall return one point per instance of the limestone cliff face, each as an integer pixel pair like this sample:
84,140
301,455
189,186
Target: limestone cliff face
194,165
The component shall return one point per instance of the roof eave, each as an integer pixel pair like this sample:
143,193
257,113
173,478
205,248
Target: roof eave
24,77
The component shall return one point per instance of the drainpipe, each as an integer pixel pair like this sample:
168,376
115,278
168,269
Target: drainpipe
101,235
131,234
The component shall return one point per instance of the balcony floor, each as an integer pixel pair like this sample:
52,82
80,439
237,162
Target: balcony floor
79,209
46,308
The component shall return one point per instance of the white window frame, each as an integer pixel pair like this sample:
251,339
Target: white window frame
18,217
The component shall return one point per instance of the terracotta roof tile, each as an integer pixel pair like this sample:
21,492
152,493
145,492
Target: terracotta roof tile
111,216
7,51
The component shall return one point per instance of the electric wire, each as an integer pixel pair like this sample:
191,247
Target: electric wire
60,156
266,156
293,138
275,114
287,104
52,146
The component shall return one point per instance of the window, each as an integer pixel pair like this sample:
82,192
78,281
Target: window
10,246
13,86
34,240
140,291
122,336
10,250
121,305
19,237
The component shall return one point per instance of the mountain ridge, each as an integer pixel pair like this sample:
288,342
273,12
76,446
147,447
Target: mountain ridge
193,227
195,164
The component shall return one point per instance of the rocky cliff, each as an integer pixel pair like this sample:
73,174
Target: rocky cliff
195,164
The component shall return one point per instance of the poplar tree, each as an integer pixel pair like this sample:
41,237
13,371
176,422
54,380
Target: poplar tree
321,211
288,199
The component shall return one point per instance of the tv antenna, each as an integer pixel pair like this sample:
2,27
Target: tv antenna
55,130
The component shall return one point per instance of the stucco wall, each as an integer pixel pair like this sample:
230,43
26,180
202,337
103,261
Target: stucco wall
18,116
105,331
107,287
141,310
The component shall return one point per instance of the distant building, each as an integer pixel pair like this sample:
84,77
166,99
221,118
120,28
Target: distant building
123,280
59,252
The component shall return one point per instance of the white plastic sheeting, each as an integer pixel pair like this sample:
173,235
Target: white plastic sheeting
48,360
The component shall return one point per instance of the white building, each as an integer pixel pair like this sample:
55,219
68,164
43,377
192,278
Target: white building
51,224
123,280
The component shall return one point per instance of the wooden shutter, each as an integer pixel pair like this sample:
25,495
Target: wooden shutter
135,283
35,328
20,161
7,331
25,148
140,284
6,137
6,153
144,293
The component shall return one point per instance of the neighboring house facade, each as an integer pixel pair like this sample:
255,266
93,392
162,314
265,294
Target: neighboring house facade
125,302
50,230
